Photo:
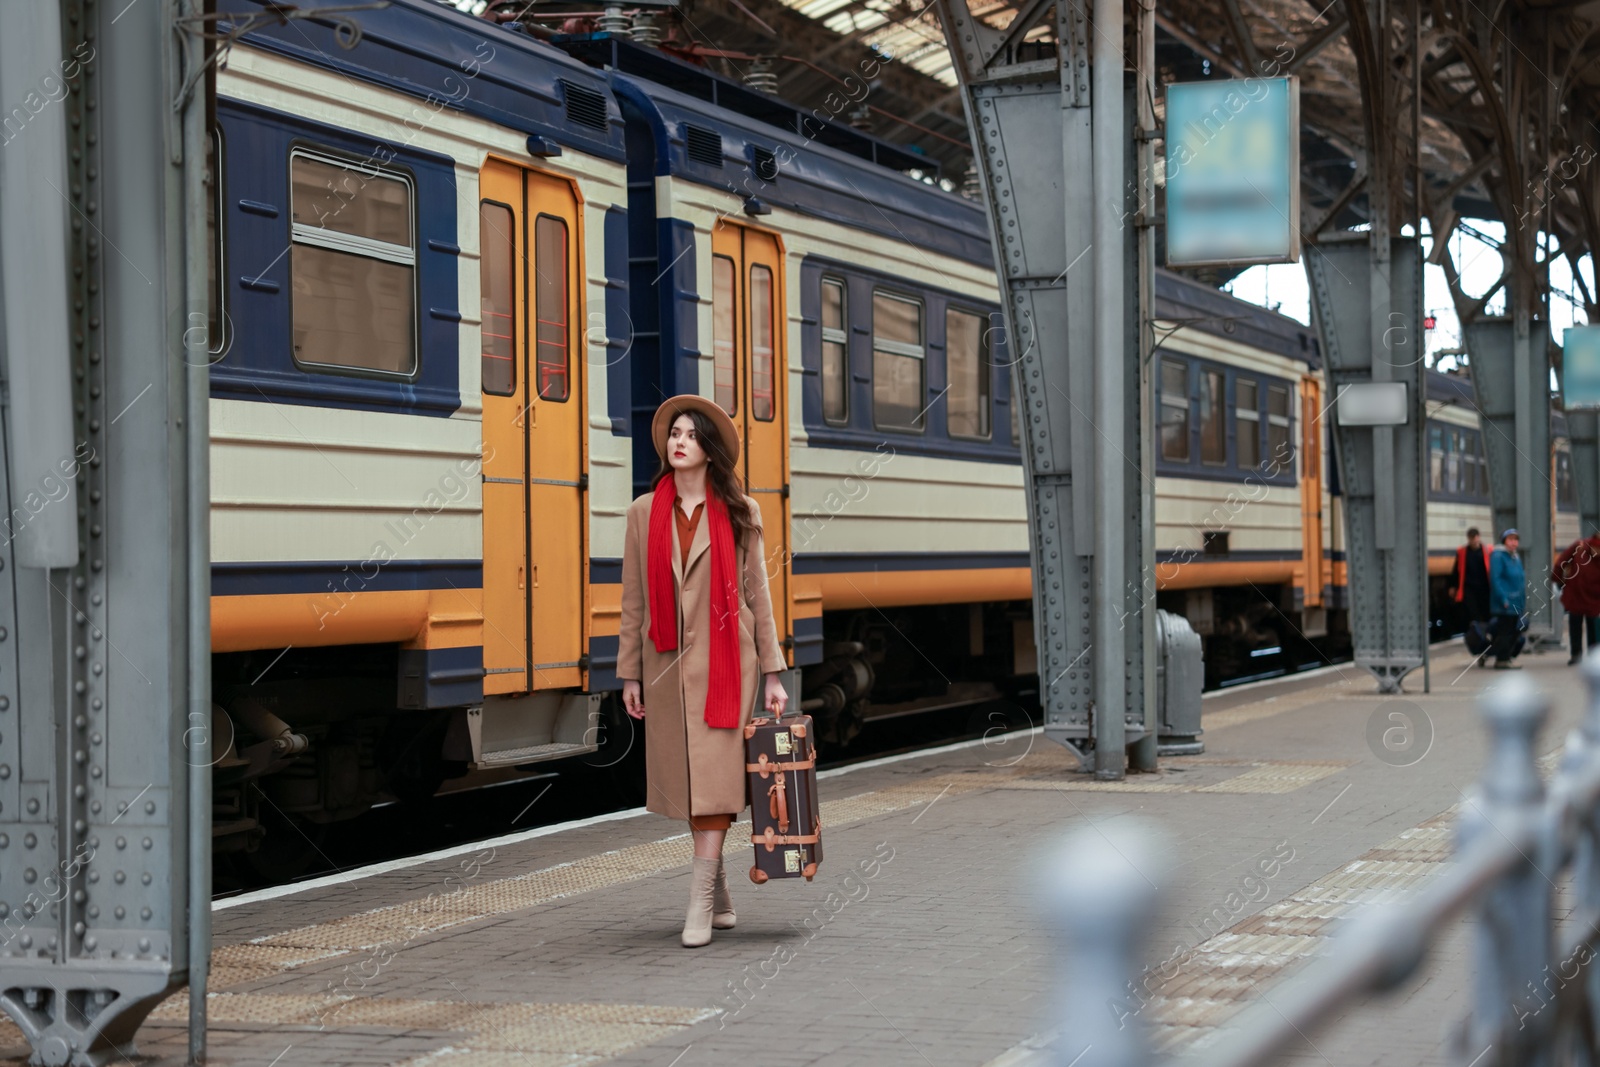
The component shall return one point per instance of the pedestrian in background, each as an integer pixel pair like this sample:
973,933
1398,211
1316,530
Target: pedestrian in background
699,644
1508,598
1577,572
1471,578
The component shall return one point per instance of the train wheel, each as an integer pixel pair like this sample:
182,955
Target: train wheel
289,846
411,755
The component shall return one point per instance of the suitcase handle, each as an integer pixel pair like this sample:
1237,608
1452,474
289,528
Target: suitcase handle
778,802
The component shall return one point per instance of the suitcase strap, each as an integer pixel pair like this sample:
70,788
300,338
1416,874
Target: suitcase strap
797,728
772,840
764,766
778,800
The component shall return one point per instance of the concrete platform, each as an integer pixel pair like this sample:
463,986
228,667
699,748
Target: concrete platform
919,942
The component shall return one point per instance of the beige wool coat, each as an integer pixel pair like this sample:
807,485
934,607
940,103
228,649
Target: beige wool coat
692,768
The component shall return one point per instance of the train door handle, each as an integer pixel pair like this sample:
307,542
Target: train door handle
521,579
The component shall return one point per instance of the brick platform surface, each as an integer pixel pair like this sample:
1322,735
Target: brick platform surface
920,941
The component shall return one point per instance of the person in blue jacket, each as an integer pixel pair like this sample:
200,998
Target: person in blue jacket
1508,598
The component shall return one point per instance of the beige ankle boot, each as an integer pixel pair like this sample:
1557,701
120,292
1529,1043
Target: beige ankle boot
697,924
722,914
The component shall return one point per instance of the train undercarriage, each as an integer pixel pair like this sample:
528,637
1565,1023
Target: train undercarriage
311,737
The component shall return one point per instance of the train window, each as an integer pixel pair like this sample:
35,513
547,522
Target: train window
968,374
897,362
1247,410
497,269
761,346
1213,420
1480,463
1016,427
1454,474
1175,410
353,263
1566,491
835,353
1280,450
722,328
1436,458
551,341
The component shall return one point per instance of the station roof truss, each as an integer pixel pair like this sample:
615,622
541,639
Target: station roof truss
1462,108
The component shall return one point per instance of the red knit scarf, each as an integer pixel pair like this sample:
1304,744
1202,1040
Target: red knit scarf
723,690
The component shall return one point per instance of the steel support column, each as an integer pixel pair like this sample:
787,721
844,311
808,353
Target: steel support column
1510,363
1583,430
1064,224
1367,308
97,668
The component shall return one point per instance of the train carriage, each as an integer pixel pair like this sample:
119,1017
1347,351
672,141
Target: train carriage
458,268
418,277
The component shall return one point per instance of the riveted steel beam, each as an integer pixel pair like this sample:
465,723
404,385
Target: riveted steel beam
99,666
1510,377
1367,311
1053,141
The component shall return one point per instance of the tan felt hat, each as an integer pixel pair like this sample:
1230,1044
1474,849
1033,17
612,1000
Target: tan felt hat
671,408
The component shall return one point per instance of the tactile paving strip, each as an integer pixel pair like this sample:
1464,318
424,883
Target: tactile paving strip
531,1033
1222,973
401,922
1192,993
1268,776
466,1057
1278,776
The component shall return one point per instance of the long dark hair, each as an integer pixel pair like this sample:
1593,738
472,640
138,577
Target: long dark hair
719,476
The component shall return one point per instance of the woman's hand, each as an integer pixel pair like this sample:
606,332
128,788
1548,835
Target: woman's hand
633,699
776,696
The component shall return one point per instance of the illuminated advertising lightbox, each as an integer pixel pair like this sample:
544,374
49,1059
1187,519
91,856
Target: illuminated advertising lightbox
1233,171
1580,367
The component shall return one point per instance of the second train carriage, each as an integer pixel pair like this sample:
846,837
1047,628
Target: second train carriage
458,270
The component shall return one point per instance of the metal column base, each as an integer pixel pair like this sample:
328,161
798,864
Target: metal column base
70,1024
1389,671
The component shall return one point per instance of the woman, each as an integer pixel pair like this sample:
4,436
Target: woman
697,638
1577,572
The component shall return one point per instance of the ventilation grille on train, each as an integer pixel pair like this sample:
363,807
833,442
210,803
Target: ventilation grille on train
705,146
585,107
764,163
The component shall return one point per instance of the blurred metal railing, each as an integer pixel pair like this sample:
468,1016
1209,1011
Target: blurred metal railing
1535,997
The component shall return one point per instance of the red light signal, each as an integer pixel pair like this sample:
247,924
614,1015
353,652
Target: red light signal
1429,322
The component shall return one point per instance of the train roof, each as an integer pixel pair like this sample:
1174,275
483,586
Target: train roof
1200,307
1450,388
707,128
609,51
453,62
714,131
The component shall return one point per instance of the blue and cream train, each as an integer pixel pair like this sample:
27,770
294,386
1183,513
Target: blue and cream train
459,267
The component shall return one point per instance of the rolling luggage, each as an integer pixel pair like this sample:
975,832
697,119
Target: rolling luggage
1477,637
781,769
1480,635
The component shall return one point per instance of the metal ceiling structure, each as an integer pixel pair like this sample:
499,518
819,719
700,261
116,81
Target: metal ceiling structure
1498,100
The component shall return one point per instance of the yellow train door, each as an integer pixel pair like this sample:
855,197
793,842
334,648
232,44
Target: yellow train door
1311,488
533,431
750,381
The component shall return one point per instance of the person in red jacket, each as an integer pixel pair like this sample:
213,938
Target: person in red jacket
1471,578
1577,571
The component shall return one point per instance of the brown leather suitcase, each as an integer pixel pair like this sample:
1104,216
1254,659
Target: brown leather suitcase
781,769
